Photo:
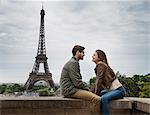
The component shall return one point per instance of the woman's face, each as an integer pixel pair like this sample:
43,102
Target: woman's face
95,57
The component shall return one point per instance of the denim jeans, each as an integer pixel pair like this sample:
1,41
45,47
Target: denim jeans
107,96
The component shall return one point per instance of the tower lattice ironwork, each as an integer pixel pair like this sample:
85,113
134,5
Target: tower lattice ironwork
41,58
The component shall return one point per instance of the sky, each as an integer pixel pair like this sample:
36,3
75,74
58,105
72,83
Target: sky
121,28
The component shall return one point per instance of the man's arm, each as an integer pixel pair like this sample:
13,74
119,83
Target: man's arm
75,76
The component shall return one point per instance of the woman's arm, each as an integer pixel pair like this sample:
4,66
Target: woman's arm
98,86
100,69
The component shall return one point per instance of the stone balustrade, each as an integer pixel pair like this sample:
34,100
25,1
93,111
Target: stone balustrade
67,106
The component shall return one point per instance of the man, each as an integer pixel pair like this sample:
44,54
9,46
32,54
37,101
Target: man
71,80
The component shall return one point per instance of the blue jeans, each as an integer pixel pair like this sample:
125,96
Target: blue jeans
107,96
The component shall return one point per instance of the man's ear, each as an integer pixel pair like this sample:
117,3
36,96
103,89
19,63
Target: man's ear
77,52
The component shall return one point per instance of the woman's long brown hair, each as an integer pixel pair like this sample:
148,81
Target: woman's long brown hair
101,54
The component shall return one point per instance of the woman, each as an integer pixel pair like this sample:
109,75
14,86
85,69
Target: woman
106,85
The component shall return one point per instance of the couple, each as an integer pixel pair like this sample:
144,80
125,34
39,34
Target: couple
107,87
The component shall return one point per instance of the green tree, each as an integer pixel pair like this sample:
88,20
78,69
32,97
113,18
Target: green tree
92,80
144,86
38,87
17,88
2,88
45,92
8,89
130,85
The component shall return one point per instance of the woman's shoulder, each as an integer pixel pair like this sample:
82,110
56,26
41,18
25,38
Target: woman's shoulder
100,63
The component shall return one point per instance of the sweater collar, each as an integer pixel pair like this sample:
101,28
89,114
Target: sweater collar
74,58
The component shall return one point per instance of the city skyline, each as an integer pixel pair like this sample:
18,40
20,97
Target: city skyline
120,28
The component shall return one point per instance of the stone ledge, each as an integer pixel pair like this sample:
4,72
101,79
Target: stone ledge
42,102
141,104
67,106
121,104
44,106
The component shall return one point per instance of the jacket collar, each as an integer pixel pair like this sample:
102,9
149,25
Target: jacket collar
100,62
74,58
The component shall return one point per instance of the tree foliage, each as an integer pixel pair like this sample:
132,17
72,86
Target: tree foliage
144,87
11,88
2,88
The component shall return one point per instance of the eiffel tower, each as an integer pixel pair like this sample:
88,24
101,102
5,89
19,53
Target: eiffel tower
41,58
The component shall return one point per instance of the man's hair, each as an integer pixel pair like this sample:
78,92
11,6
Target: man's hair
77,48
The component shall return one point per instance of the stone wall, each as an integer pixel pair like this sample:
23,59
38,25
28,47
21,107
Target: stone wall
67,106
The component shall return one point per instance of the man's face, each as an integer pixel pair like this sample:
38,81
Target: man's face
81,55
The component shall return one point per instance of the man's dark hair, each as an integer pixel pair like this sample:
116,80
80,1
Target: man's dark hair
77,48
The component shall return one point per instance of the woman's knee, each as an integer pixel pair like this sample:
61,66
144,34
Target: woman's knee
103,92
104,99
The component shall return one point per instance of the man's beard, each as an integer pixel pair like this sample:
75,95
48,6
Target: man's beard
81,58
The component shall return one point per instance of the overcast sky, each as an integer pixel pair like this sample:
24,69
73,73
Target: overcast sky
119,27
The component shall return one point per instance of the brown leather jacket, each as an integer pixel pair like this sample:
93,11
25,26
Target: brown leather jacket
104,77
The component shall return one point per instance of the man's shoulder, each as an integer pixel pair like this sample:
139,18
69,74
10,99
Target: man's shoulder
71,62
